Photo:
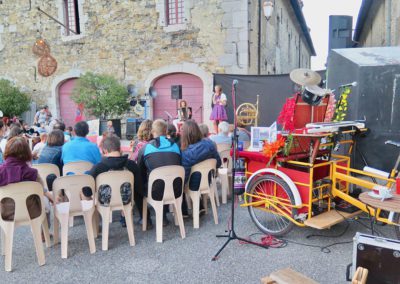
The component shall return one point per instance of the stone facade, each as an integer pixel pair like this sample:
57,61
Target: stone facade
381,27
130,40
283,45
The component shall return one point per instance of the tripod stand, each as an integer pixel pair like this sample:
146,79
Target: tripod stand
231,234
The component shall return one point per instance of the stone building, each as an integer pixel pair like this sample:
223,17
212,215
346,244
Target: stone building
378,24
149,43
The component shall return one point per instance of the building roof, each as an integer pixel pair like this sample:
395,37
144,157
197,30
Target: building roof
302,21
362,17
371,56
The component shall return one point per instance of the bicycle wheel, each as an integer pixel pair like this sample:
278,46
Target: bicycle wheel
396,219
266,217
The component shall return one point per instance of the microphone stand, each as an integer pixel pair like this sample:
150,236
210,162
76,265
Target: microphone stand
231,234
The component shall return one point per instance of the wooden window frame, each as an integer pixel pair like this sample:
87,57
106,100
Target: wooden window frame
178,11
71,6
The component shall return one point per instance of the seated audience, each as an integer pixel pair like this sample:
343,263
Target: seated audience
69,131
2,128
242,133
157,153
42,128
37,150
205,131
113,160
143,137
29,130
15,169
223,136
173,135
51,153
61,126
80,148
195,149
13,132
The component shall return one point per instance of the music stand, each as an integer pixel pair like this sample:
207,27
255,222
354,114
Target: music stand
168,115
231,234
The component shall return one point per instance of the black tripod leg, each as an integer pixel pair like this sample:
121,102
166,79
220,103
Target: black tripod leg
221,249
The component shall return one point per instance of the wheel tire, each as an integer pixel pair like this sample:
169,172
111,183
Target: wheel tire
396,219
259,216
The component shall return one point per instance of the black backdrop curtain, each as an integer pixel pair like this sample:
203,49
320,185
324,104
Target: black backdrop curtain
272,89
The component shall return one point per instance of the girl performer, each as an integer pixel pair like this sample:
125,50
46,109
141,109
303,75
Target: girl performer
218,113
184,113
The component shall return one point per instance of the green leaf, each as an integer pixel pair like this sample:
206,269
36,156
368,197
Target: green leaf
101,95
12,100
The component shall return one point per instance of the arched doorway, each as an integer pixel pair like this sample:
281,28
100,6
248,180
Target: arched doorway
192,92
68,109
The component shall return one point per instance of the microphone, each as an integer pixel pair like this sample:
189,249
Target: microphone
235,82
353,84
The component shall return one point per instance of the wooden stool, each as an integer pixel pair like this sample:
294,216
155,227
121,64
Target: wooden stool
287,276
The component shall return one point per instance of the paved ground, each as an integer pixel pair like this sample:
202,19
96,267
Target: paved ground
182,261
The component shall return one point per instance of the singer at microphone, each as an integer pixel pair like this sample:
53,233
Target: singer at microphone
218,113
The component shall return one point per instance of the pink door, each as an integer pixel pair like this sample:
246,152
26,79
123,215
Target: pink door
70,112
192,92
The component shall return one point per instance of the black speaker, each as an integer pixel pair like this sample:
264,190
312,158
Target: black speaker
176,92
132,126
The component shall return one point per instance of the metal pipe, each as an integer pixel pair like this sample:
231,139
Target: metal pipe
57,21
388,7
259,39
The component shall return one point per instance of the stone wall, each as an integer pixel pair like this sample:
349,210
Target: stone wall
122,38
283,46
382,26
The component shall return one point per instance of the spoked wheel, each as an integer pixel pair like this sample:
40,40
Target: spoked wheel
267,218
396,220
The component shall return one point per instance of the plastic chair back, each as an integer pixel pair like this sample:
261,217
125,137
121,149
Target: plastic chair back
168,174
223,146
77,168
72,186
115,179
204,168
45,170
19,192
226,159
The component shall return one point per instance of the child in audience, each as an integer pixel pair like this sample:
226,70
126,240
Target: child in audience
143,137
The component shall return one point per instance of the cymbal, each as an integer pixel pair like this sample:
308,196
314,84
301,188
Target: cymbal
305,77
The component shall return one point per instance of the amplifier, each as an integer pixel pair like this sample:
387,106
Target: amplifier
132,126
381,256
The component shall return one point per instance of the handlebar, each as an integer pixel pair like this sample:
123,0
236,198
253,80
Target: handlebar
393,143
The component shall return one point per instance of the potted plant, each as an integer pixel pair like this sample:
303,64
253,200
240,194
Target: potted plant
102,97
13,102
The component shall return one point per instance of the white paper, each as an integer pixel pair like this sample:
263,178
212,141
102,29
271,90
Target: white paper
63,207
86,205
261,134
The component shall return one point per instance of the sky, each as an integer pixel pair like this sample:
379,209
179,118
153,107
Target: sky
317,14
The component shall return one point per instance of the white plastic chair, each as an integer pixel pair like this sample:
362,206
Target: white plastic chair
46,169
223,146
72,186
208,190
76,168
115,179
225,174
168,174
19,192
